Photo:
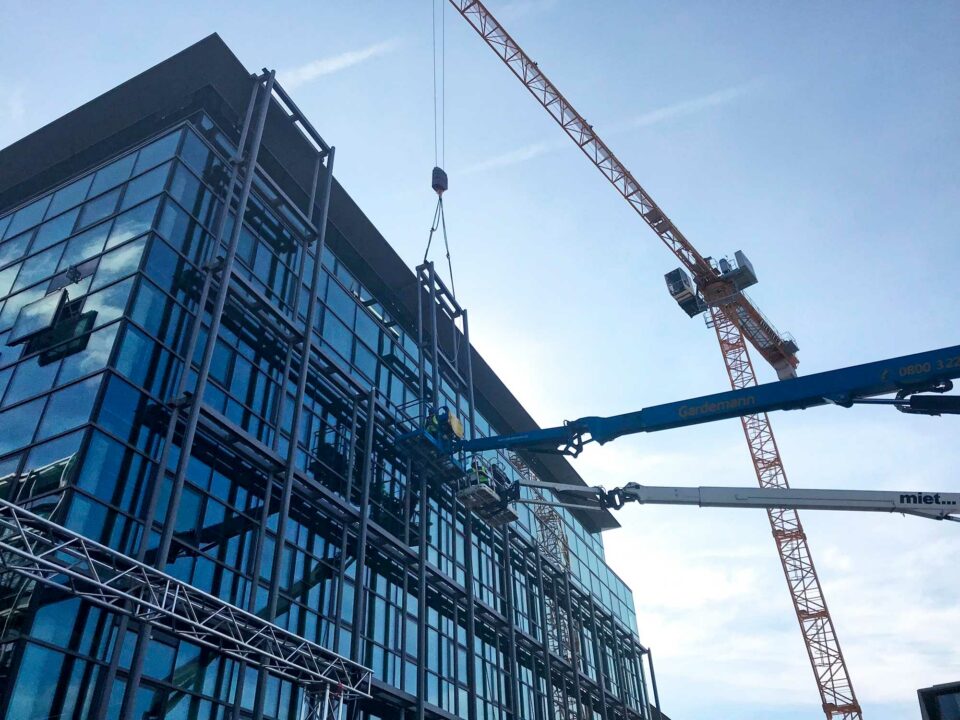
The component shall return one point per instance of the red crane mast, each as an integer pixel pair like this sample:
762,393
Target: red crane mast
736,321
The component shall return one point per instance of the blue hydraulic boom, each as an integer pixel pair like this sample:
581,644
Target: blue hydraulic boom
909,377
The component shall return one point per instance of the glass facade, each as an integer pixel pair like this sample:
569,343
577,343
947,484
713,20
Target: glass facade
101,279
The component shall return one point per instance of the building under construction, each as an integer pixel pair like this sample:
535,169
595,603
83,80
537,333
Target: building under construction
249,536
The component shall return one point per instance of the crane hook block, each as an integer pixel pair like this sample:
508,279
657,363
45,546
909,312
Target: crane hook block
439,181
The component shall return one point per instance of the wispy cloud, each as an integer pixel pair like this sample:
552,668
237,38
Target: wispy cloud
294,77
652,117
690,107
514,157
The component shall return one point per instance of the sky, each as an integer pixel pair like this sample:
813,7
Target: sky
819,138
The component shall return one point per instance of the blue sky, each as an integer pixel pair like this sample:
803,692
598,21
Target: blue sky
819,138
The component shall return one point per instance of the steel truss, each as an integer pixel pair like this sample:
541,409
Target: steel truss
833,680
50,554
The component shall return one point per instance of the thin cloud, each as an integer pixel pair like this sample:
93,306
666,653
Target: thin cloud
653,117
513,157
690,107
327,66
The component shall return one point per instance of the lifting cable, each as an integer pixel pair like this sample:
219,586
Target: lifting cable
439,180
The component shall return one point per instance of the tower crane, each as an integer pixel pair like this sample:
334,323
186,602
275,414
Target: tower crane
716,288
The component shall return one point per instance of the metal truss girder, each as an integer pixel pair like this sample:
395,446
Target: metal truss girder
823,648
41,550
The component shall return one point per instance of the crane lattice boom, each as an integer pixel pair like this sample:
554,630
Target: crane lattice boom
734,318
780,353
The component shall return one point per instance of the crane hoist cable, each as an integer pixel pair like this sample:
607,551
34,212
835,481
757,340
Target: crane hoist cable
439,180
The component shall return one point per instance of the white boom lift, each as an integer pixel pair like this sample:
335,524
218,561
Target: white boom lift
933,505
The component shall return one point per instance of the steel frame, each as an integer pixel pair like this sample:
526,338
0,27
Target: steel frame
735,317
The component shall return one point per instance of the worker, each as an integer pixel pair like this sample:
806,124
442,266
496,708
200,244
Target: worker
481,473
433,424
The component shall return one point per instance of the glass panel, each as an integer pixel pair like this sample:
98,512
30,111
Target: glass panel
93,358
133,223
112,175
53,231
109,304
84,245
69,407
118,263
98,209
67,197
30,379
36,317
28,216
36,688
39,267
3,224
195,152
14,249
18,425
145,186
6,280
12,307
157,151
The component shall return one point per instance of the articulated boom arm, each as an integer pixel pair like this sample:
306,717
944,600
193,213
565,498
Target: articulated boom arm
933,505
908,376
717,291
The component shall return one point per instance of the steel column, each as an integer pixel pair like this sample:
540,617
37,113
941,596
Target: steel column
360,589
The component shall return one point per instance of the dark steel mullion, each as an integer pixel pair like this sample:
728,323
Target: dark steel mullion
342,570
422,605
268,493
511,621
193,418
545,637
360,591
161,467
653,681
599,656
574,654
468,540
305,353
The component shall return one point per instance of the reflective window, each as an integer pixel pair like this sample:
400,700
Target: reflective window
132,223
38,267
119,263
85,245
14,249
18,425
31,378
69,196
27,217
157,151
53,231
36,317
145,186
98,209
92,358
69,407
112,175
11,308
110,303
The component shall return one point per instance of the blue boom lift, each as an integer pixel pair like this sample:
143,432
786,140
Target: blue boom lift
919,382
909,377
